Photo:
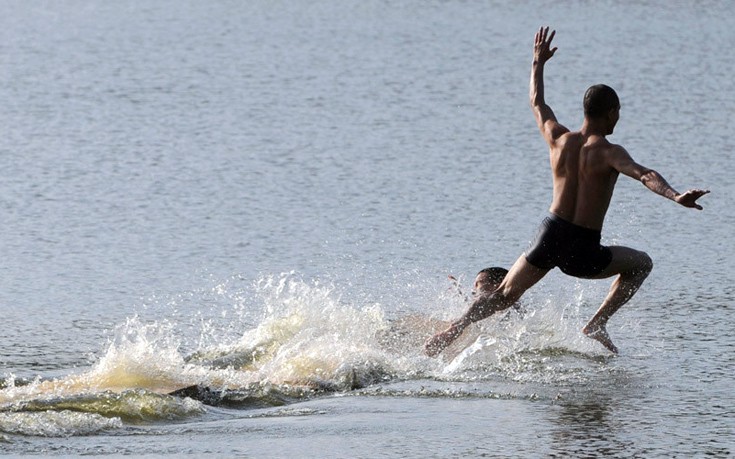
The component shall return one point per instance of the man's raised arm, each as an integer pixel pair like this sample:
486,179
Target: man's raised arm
545,118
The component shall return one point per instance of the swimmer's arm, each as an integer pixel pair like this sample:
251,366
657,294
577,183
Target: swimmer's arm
545,118
623,163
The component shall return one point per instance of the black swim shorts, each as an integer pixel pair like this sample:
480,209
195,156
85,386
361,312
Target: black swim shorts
573,249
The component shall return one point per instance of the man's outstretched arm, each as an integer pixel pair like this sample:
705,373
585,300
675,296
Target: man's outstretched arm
654,181
545,118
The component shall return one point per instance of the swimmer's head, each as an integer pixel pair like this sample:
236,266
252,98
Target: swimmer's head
488,280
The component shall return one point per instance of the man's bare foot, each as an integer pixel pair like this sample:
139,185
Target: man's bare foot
440,341
599,333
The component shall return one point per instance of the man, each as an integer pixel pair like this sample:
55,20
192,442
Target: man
585,167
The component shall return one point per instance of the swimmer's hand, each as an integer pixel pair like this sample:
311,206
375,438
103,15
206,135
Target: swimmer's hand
689,199
456,287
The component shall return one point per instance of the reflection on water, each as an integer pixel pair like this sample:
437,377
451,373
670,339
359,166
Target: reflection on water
587,428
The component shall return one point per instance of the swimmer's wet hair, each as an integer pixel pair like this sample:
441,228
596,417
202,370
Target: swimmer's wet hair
599,100
494,274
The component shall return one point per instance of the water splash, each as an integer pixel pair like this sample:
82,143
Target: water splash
307,338
541,343
309,341
56,423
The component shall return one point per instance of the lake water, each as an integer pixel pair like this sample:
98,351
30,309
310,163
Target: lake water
264,199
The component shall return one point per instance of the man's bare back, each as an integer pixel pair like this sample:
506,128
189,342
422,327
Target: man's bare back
585,168
583,178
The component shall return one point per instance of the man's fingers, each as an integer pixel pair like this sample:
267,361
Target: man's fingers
691,196
543,37
698,193
551,37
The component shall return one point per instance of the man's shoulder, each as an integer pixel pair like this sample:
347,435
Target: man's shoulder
570,137
615,149
615,156
603,145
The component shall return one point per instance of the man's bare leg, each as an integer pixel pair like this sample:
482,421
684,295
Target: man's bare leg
522,276
632,267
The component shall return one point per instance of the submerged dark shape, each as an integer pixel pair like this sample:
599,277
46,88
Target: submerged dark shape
256,396
260,395
200,393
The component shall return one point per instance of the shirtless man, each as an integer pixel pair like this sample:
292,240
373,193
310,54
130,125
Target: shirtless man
585,167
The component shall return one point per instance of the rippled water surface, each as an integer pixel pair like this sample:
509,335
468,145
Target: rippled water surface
227,228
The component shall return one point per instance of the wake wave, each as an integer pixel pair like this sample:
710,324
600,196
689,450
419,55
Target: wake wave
309,342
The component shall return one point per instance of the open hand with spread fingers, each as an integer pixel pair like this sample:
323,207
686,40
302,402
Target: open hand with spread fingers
542,50
689,198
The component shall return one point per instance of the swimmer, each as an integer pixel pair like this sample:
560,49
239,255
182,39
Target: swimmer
486,281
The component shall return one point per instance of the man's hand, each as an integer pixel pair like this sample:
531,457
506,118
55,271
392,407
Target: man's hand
542,50
689,199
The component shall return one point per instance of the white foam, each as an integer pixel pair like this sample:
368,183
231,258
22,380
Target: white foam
56,423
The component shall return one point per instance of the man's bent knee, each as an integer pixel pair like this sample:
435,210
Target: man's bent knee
645,264
639,267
